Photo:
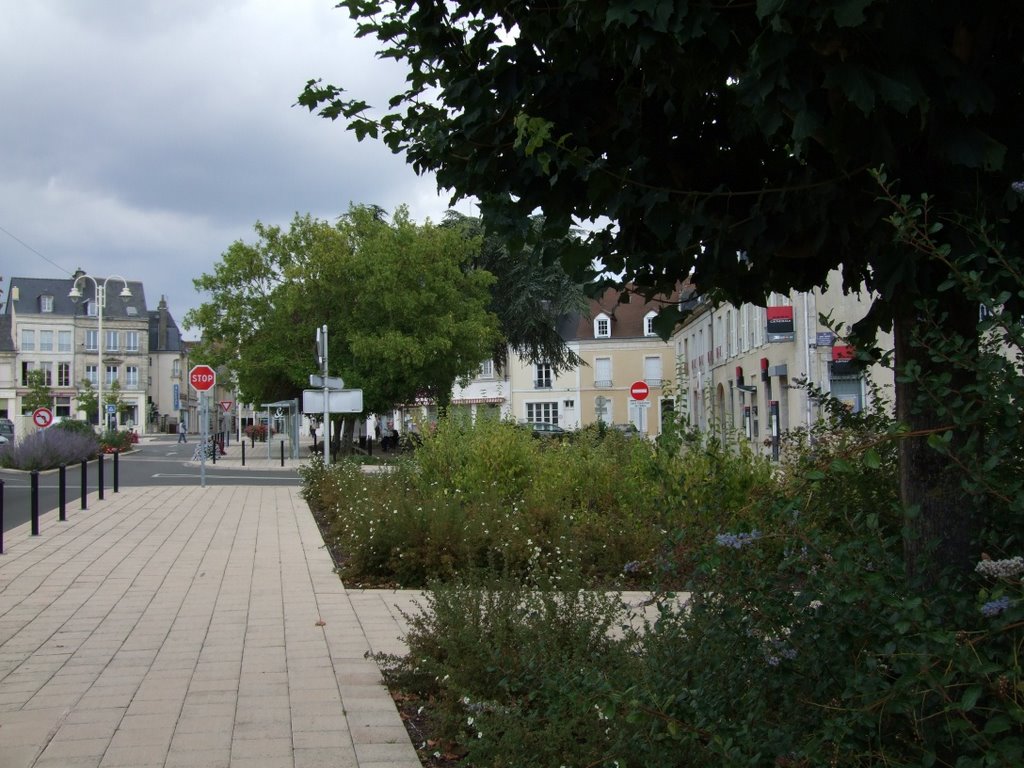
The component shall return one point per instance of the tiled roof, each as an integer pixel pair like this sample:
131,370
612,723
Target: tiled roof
30,289
627,315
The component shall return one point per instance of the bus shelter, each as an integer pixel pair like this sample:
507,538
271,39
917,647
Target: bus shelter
285,418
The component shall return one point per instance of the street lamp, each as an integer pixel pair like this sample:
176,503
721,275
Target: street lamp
101,301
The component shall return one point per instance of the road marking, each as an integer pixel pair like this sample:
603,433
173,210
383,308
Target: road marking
234,476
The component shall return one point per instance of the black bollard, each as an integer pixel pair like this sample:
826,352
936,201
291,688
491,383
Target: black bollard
282,453
243,453
35,502
85,483
62,494
117,454
213,445
99,475
1,517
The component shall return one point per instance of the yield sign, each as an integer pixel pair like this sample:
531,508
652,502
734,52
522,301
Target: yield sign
225,405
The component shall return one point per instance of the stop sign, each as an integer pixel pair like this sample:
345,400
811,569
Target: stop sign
639,390
202,378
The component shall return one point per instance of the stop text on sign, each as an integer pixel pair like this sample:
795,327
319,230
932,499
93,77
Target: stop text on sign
202,378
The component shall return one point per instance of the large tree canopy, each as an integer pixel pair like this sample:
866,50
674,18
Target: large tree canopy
729,142
406,313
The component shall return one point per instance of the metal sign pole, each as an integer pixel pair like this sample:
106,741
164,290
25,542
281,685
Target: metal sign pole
327,406
203,434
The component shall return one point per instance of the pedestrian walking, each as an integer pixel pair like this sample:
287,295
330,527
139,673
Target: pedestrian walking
182,432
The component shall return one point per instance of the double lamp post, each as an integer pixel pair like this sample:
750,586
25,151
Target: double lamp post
101,301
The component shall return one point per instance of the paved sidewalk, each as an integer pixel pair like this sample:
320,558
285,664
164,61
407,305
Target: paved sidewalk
191,627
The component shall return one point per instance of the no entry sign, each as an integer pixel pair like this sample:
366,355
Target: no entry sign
202,378
639,390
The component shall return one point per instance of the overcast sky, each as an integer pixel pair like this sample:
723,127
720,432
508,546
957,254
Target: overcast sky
143,137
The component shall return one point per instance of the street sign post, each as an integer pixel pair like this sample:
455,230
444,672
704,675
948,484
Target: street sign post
326,382
639,390
339,401
202,378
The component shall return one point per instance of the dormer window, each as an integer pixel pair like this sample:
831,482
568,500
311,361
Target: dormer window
46,303
649,324
91,308
602,326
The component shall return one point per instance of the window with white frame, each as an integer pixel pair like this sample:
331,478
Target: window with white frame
131,376
92,374
92,340
176,368
545,413
26,368
28,340
62,407
46,341
603,372
649,323
63,341
47,369
542,377
110,341
91,308
653,370
63,374
111,375
602,326
131,341
46,303
487,369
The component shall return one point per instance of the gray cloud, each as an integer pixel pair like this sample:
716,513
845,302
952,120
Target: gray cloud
142,138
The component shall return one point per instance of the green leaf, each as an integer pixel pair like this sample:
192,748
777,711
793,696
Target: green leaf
871,459
970,697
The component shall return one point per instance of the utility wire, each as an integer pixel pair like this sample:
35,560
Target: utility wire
37,253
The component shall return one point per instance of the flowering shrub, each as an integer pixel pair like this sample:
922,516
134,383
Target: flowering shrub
117,441
48,449
257,432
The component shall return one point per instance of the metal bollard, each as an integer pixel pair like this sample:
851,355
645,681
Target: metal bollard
282,453
1,517
117,454
35,502
85,483
243,453
99,475
213,444
62,494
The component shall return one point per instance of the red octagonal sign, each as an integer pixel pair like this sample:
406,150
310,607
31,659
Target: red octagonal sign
639,390
202,378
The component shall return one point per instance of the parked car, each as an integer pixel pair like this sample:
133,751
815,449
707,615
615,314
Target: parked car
3,439
629,430
543,429
7,429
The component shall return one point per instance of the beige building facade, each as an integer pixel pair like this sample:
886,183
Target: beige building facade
744,370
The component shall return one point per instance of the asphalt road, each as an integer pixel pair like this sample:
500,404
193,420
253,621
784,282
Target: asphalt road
155,463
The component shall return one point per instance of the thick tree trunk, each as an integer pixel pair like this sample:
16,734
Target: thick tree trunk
943,523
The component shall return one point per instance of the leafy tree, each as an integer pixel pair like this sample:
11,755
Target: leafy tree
113,397
405,312
529,296
731,143
88,401
39,394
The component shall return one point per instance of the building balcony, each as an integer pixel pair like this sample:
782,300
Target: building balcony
603,384
542,383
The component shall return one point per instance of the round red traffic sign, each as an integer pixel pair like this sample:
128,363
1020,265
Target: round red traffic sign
639,390
202,378
42,417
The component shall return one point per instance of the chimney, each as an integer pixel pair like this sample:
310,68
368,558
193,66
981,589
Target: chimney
161,328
